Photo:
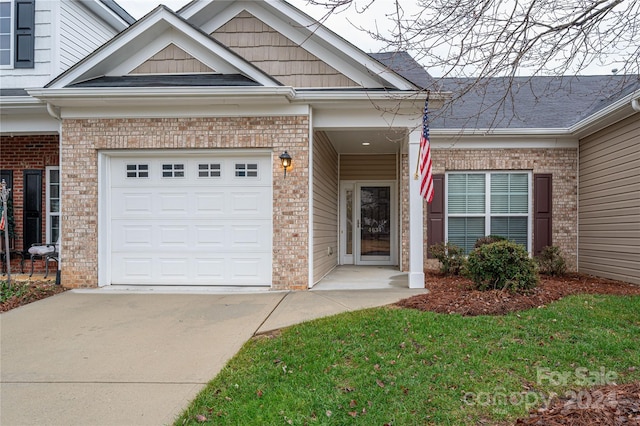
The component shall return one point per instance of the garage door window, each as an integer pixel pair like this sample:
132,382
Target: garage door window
137,170
209,170
246,170
173,170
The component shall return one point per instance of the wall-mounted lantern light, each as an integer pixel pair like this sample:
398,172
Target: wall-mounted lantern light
285,159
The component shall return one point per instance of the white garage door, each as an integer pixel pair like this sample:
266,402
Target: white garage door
203,219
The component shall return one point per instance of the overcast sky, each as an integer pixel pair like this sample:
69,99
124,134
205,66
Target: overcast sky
337,23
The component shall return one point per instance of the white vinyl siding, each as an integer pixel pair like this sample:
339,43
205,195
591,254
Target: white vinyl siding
479,204
80,33
65,32
42,72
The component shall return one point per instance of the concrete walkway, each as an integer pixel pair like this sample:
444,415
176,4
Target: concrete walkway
103,358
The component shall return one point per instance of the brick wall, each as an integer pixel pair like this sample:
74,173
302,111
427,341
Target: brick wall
562,163
19,153
83,139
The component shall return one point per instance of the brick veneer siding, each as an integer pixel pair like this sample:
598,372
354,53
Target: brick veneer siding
562,163
84,138
27,152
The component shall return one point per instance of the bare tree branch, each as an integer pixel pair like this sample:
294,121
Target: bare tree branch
476,40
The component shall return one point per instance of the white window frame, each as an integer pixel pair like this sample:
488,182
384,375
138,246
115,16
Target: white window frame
487,200
49,213
11,34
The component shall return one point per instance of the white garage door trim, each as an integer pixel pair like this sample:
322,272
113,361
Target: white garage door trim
192,218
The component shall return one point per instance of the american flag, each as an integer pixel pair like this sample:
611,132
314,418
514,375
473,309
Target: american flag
426,177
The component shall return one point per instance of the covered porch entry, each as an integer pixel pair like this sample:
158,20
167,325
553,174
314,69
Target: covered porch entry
360,208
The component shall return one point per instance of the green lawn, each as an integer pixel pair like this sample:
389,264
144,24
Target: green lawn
404,367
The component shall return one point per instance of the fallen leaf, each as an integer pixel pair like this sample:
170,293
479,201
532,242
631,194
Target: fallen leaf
328,413
380,383
353,403
200,418
353,414
259,393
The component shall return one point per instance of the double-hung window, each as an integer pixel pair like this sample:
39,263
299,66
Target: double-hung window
17,33
53,204
488,203
6,33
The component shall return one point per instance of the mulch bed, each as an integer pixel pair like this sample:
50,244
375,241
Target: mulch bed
455,295
35,290
606,405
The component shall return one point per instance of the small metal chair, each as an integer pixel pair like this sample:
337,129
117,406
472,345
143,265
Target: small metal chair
47,252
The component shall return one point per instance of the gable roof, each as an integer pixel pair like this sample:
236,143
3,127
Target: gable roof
118,10
304,31
158,29
528,102
404,64
174,80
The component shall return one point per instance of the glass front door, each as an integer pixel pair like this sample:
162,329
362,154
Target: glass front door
368,223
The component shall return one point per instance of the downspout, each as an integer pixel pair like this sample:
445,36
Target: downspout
55,113
635,104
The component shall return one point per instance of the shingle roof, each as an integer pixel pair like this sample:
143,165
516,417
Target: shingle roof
13,92
118,10
528,102
403,64
175,80
520,102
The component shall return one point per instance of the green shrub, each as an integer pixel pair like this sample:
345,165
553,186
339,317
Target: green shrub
551,262
489,239
451,257
503,265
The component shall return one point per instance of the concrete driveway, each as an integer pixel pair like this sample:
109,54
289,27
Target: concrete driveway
119,359
101,358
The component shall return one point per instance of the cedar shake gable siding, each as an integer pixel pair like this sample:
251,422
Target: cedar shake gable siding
276,55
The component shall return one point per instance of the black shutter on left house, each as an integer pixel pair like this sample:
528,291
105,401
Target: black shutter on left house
25,14
435,215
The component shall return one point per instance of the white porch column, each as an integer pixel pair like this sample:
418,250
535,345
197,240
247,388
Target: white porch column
416,218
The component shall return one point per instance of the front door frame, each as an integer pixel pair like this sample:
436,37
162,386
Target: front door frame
354,257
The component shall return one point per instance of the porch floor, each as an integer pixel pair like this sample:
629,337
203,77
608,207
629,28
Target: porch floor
358,277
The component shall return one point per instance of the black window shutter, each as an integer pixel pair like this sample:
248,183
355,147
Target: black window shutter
542,212
25,33
435,214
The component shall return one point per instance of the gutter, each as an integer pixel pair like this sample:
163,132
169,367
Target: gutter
584,126
158,92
